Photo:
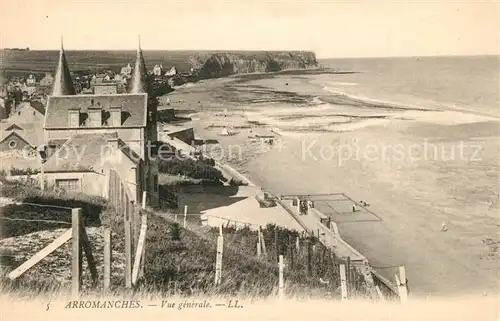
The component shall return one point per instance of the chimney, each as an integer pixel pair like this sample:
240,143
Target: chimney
95,116
115,116
74,118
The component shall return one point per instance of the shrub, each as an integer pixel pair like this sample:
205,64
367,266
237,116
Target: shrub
175,232
24,171
197,169
206,160
168,197
237,182
92,207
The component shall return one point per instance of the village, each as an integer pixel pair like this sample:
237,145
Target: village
33,128
107,142
16,90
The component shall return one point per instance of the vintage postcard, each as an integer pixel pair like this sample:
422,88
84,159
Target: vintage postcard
249,159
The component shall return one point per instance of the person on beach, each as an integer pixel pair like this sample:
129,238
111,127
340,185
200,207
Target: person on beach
354,208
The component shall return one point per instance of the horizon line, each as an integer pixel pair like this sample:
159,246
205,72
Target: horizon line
274,50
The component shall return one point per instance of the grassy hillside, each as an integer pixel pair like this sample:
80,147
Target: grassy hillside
41,61
177,260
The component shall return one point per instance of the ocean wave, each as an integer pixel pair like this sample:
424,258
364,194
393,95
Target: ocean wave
338,83
340,97
362,101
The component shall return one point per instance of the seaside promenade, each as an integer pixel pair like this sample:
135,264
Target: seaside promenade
311,222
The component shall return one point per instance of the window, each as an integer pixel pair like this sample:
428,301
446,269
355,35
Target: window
74,119
12,144
70,185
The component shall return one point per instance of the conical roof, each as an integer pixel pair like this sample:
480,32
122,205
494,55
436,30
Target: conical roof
138,81
62,84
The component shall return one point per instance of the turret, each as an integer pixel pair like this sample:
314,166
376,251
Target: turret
62,85
138,81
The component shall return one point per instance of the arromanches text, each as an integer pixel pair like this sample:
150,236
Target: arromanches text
91,304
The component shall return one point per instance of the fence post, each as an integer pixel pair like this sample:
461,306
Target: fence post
87,248
120,198
401,284
297,244
135,220
348,274
281,284
218,262
139,253
143,262
343,282
185,215
107,258
259,245
42,178
128,254
309,258
276,243
129,205
76,262
379,292
144,196
262,242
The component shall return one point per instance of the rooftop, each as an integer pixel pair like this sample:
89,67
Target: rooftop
134,108
30,132
84,153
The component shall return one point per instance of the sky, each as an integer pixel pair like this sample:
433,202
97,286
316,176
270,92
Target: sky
363,28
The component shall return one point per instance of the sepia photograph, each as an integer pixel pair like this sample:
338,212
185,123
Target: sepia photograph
249,159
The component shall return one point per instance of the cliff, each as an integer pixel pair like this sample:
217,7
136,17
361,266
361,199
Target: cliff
225,64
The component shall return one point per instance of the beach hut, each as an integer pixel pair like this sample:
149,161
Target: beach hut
224,132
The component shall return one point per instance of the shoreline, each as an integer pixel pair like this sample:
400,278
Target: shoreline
412,206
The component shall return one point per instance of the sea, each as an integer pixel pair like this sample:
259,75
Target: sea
459,83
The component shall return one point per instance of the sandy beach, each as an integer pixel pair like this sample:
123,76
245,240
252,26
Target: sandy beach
430,175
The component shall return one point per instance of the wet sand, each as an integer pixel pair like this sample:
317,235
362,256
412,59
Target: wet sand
399,161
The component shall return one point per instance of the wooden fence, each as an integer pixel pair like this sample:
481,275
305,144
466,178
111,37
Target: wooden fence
80,245
317,260
135,230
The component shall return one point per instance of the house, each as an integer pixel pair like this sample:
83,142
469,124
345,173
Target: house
126,71
157,70
28,112
184,134
171,72
82,162
31,80
46,81
120,79
21,137
105,88
125,121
